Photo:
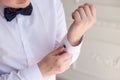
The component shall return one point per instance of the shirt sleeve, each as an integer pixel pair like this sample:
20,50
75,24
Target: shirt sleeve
31,73
61,37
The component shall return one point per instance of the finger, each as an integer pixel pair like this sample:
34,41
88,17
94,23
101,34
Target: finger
82,13
93,10
76,16
62,52
65,62
58,51
66,67
68,61
65,56
87,10
63,69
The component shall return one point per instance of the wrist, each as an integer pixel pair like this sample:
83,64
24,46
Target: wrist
74,41
41,68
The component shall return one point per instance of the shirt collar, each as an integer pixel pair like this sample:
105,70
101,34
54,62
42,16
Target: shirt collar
2,10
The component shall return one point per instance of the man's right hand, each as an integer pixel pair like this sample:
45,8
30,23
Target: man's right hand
55,62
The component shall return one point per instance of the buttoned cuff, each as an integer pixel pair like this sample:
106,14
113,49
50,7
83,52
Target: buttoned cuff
69,47
32,73
73,50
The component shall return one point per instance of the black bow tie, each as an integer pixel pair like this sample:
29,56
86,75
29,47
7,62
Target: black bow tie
10,13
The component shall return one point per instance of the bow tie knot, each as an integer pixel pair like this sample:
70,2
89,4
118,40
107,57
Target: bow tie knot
10,13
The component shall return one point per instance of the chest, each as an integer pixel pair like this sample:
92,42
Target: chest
27,39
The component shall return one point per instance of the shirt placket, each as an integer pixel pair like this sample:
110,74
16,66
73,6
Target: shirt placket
24,41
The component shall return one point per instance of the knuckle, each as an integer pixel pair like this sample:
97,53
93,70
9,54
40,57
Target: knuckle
86,3
86,6
60,68
58,60
80,6
93,6
75,13
80,9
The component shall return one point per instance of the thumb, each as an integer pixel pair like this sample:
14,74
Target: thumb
58,50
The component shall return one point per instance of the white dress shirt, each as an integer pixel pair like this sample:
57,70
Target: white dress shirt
28,39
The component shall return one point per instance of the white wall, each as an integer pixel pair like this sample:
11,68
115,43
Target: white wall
100,55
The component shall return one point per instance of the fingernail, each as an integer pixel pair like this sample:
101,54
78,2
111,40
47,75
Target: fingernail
62,46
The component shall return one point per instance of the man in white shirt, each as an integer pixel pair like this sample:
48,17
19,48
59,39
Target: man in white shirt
34,42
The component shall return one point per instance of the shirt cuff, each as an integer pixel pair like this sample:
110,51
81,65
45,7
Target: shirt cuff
73,50
68,46
32,73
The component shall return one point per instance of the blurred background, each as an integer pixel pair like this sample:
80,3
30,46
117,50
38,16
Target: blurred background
100,53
